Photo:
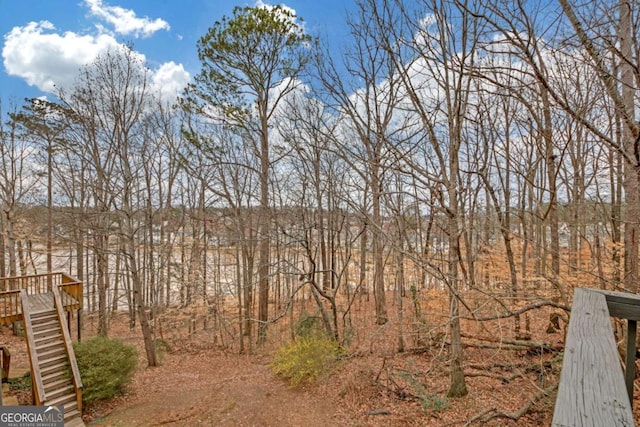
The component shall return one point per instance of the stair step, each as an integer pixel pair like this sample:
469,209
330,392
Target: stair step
69,398
50,346
75,422
70,406
60,359
45,323
44,341
41,324
44,314
71,414
52,352
54,375
60,392
46,332
61,383
51,368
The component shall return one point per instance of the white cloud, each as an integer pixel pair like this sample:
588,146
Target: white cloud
44,58
292,15
169,80
125,21
261,4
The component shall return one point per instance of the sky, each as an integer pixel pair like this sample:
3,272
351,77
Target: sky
45,42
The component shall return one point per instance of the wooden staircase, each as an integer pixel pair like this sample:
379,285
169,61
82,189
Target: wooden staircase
41,302
53,363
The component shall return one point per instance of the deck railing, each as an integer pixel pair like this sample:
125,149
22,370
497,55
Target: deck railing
593,390
71,292
10,308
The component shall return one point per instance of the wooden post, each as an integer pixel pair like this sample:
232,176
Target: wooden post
79,323
6,363
630,362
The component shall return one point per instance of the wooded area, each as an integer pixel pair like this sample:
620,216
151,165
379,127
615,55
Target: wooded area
488,150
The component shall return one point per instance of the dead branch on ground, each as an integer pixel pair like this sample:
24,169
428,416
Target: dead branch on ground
491,413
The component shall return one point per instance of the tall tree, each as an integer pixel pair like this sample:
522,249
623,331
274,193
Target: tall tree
432,58
105,109
250,62
39,121
371,129
620,81
17,182
602,36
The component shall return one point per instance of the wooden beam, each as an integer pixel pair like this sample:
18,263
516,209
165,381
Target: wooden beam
630,360
622,304
592,388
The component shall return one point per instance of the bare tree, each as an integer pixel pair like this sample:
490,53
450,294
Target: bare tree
369,107
105,108
432,57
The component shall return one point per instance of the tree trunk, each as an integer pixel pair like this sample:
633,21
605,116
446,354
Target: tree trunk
631,177
378,265
264,233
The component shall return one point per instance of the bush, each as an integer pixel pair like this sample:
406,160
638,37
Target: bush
306,359
162,348
20,383
308,325
106,366
431,402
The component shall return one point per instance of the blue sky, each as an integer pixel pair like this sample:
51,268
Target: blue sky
44,42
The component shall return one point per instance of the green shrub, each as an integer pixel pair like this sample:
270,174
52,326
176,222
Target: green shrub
431,402
20,383
106,366
162,348
306,359
308,325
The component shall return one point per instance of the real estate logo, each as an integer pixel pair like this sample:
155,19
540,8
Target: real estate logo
31,416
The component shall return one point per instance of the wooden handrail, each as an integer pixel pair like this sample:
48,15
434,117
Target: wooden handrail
592,389
36,283
10,308
77,382
36,377
74,290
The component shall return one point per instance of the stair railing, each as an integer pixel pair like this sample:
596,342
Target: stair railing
75,372
36,378
71,292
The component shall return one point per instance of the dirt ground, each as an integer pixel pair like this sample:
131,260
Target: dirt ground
211,388
203,383
199,383
217,390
